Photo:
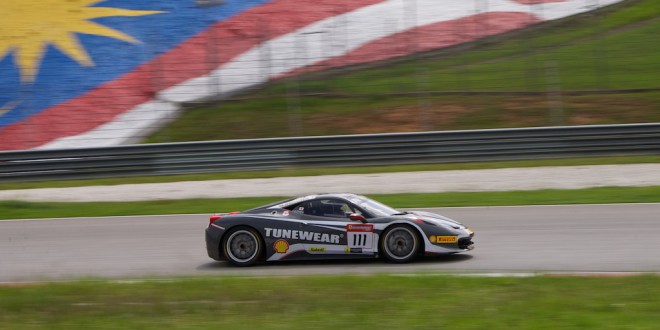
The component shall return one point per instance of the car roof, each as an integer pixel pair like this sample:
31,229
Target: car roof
294,200
333,195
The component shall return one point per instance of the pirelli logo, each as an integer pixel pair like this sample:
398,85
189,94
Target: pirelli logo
443,239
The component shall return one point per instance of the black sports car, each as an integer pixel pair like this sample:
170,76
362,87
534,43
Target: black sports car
331,226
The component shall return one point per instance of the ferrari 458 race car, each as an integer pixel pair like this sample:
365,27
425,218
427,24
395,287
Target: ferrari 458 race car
331,226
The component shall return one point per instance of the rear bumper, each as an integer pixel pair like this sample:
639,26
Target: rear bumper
213,245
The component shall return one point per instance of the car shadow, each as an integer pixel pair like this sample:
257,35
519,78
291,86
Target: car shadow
427,260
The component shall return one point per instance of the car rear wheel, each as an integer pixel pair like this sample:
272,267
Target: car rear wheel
399,244
242,246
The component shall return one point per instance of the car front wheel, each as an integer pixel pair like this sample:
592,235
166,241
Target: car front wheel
399,244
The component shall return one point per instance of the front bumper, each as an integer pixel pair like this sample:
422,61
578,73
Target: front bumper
443,244
466,243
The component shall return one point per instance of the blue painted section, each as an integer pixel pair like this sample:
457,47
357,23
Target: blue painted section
61,78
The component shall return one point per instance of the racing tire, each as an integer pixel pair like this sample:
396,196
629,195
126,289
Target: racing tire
400,244
242,246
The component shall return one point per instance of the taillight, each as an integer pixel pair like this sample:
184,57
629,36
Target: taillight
214,217
218,216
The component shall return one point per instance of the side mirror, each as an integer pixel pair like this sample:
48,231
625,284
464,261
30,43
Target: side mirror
357,217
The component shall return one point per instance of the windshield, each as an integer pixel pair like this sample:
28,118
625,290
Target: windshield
373,207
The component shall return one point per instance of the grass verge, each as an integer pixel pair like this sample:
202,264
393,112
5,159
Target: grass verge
338,302
335,170
30,210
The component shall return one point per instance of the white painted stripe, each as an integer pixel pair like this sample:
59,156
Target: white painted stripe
216,226
293,248
315,224
126,128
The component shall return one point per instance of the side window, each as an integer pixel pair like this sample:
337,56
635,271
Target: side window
327,208
330,208
300,207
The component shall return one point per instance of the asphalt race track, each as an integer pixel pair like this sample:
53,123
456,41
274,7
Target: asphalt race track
579,238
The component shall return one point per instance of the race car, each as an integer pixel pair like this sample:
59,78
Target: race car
332,226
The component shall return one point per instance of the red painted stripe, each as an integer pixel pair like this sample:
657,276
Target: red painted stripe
197,56
428,37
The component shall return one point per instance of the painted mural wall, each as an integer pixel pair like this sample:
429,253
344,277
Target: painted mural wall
83,73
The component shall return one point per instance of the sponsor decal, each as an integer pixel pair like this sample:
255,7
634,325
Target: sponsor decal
360,236
347,249
281,246
443,239
317,249
302,235
360,227
285,213
356,250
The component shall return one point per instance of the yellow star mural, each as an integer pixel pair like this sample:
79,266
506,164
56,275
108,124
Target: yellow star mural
29,26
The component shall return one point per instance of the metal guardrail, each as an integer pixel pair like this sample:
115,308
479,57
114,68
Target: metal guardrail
326,151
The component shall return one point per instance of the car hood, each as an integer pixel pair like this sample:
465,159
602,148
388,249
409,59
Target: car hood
436,219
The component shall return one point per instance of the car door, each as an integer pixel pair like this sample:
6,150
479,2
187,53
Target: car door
337,234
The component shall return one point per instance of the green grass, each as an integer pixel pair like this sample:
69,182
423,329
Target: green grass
614,48
335,170
28,210
338,302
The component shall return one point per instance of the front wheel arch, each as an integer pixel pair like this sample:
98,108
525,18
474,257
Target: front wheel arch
399,253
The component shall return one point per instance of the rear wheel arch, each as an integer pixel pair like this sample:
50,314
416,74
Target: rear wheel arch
238,256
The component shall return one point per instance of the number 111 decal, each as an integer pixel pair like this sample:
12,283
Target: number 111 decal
360,238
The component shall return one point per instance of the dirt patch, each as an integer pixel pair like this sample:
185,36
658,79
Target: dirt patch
610,109
585,119
485,112
525,111
575,110
399,119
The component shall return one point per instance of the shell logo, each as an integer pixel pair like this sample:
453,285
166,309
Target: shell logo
281,246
